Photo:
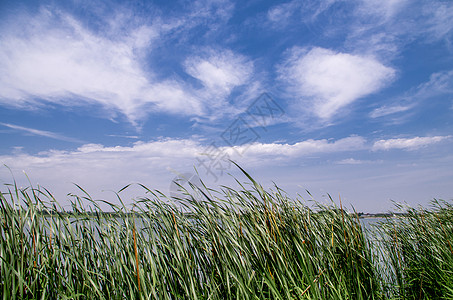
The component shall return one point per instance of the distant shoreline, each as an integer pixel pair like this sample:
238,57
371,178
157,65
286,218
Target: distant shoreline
381,215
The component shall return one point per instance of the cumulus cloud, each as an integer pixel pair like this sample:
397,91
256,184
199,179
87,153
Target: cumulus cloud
301,148
326,81
170,151
408,143
96,167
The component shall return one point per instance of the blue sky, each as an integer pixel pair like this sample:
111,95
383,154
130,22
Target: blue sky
351,98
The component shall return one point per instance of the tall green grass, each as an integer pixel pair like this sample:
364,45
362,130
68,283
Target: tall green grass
246,243
419,252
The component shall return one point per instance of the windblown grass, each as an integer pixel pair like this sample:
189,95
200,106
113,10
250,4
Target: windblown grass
419,252
245,243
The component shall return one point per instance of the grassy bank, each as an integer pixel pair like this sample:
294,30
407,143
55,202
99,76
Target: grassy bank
244,243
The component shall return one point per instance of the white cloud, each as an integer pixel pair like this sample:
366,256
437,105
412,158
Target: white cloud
135,137
308,11
53,58
439,83
388,110
220,71
326,81
439,19
56,59
299,149
164,153
280,14
384,10
43,133
97,167
408,143
384,28
353,161
350,161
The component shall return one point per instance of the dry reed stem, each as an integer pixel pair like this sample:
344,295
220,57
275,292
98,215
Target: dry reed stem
270,272
314,281
332,232
240,230
34,246
50,240
176,226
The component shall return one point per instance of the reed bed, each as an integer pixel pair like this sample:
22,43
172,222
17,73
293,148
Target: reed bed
245,243
418,249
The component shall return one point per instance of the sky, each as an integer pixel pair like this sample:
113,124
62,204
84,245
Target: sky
352,99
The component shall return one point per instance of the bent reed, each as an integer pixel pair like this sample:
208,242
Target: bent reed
245,243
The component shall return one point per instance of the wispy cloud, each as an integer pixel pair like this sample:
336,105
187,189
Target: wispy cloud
280,15
52,57
384,28
220,71
408,143
58,60
283,15
325,81
353,161
439,84
42,133
439,19
388,110
124,136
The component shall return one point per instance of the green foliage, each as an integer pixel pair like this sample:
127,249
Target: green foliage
419,248
229,244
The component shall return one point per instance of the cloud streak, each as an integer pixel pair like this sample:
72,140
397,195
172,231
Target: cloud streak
388,110
439,85
42,133
408,143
